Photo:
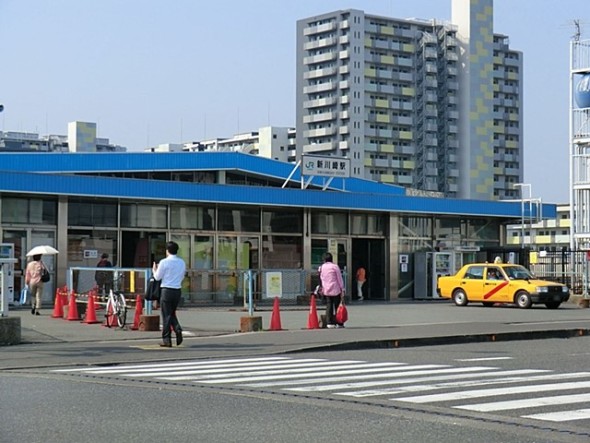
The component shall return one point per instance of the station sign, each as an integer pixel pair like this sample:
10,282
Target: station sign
325,166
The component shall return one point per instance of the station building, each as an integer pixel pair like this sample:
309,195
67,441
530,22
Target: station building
234,212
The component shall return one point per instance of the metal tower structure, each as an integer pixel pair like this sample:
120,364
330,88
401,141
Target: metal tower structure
580,144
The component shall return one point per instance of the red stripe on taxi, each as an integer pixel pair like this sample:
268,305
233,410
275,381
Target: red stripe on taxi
496,289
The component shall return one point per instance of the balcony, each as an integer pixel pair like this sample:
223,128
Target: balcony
324,42
319,147
326,27
320,102
320,132
322,87
316,73
324,116
319,58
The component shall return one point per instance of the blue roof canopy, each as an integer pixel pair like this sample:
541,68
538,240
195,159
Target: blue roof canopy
56,173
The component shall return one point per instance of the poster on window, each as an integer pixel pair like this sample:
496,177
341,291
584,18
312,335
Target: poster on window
274,284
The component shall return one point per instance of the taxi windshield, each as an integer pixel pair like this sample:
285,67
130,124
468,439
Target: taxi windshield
518,273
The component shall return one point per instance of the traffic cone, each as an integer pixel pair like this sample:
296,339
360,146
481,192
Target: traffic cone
58,306
138,312
90,318
312,319
73,308
275,319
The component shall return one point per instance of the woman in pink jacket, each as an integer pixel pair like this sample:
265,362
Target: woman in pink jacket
33,281
332,289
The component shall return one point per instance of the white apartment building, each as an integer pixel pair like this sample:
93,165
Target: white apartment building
425,104
277,143
81,138
546,235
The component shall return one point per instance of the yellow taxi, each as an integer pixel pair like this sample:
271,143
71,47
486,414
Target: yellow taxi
491,283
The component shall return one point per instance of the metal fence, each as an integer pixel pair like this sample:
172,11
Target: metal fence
207,287
568,267
222,287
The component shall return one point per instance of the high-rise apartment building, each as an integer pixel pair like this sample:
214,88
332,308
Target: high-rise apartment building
424,104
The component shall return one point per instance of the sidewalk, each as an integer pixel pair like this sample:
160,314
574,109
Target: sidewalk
374,324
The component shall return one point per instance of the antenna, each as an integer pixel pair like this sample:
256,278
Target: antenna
578,28
578,33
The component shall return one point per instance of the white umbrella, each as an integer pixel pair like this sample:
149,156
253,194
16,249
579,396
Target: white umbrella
43,249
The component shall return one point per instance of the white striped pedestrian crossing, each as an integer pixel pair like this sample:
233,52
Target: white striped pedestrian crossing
396,381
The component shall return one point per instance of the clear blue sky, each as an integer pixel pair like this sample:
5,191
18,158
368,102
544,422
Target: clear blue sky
153,71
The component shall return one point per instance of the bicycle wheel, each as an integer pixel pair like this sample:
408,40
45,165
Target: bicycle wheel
109,313
121,310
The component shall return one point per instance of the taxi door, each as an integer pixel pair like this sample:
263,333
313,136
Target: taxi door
495,286
473,283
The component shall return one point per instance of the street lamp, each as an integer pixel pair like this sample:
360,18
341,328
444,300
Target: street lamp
521,186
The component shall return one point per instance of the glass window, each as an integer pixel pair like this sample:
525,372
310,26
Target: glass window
329,223
227,253
238,220
203,252
482,230
143,216
282,252
364,224
191,217
282,221
184,247
86,246
415,227
92,213
29,211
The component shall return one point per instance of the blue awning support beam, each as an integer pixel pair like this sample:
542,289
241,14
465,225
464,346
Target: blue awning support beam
290,176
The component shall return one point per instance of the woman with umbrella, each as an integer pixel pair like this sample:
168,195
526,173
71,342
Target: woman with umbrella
34,275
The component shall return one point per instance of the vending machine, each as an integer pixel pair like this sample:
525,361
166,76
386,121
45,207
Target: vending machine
428,266
7,262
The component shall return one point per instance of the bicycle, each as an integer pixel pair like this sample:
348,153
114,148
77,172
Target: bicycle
116,309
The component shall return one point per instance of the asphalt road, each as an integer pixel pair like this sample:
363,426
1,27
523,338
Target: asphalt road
55,388
95,404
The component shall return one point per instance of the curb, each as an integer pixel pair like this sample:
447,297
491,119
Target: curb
446,340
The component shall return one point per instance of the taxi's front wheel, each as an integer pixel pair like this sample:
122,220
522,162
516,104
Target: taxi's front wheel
523,299
459,297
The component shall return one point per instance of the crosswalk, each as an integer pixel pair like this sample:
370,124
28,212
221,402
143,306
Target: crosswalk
537,394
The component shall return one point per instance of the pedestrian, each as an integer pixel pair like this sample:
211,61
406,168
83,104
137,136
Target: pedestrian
170,272
33,281
332,289
104,279
361,278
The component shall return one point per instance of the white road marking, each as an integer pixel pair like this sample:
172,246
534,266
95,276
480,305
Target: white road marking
482,393
453,371
356,370
579,414
526,403
484,359
172,365
418,387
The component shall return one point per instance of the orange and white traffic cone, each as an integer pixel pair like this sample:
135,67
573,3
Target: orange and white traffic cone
312,318
90,318
275,319
138,312
73,308
58,306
